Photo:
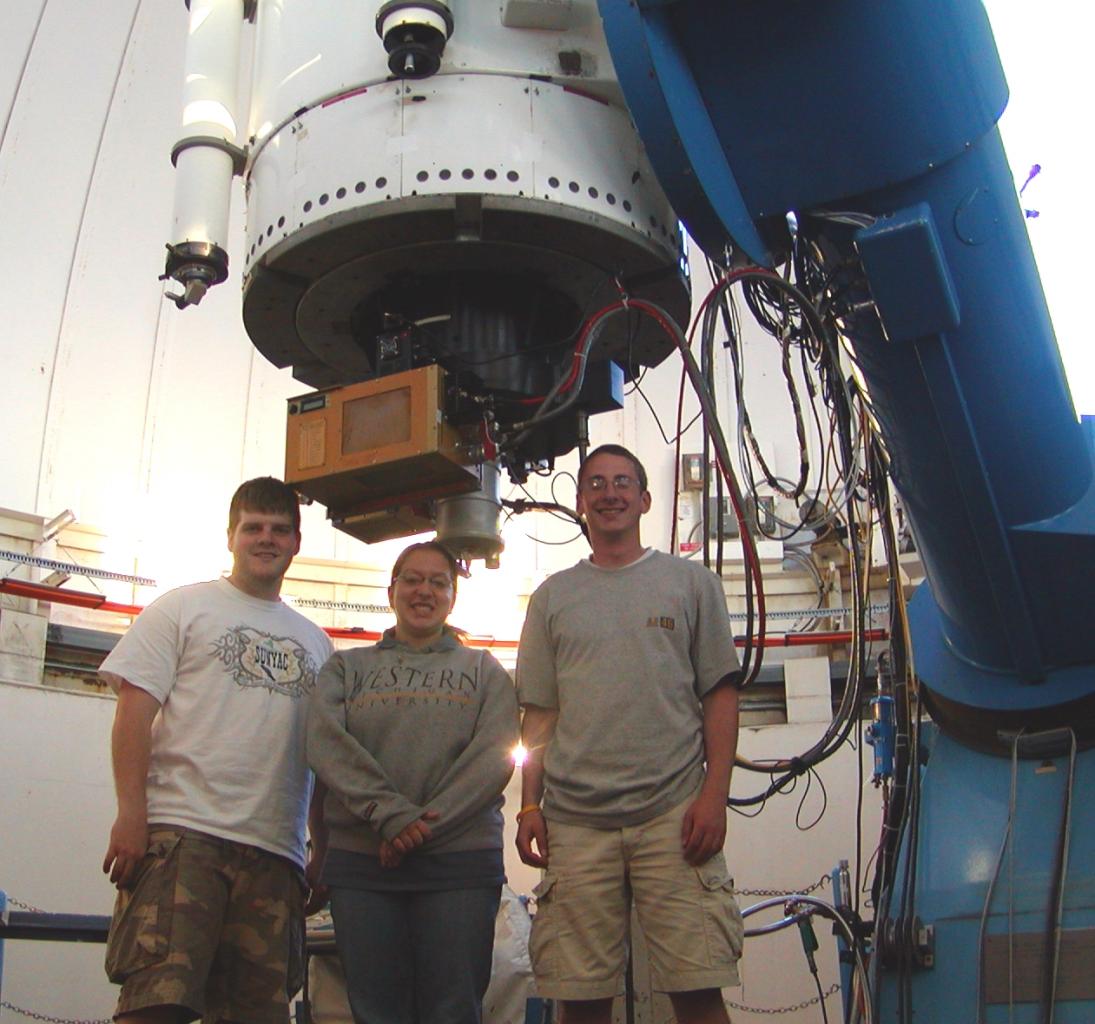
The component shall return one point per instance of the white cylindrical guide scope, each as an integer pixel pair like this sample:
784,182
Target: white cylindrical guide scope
206,156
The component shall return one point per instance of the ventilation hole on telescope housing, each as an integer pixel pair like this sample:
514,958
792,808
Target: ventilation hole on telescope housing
281,222
635,177
423,175
324,199
513,175
627,205
269,230
490,174
653,221
444,174
467,174
381,182
260,241
308,206
340,194
593,193
574,186
553,182
610,199
359,187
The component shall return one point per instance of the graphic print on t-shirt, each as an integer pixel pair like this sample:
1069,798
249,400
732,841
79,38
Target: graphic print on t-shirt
255,658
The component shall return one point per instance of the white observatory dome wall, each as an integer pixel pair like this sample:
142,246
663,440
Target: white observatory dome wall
140,418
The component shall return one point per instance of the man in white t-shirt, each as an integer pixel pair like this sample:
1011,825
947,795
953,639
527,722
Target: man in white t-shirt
627,674
207,850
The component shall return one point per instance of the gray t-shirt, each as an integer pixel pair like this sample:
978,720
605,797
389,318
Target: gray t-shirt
625,656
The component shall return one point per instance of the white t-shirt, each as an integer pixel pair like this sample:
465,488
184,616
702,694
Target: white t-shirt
231,673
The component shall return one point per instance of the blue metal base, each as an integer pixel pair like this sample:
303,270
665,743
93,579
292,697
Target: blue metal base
964,682
964,812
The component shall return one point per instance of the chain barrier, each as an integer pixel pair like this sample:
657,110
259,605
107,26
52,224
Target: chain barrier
13,902
46,1019
819,884
773,1010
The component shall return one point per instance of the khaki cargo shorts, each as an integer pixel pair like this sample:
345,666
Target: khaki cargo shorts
210,925
689,917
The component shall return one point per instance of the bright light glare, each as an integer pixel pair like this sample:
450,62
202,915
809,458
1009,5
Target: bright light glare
209,112
198,17
303,67
520,755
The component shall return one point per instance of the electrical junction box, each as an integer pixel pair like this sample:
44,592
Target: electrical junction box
692,472
376,453
766,508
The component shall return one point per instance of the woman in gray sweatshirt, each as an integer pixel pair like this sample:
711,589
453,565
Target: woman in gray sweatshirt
413,739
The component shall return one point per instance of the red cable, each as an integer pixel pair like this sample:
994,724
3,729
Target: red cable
573,373
747,545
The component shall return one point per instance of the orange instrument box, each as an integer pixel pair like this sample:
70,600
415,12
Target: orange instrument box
382,446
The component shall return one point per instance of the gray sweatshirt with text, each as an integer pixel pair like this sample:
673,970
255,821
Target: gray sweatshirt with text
394,732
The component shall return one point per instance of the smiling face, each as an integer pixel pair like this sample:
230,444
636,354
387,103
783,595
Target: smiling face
262,545
422,595
611,500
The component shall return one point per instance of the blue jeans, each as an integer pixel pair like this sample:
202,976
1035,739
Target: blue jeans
415,957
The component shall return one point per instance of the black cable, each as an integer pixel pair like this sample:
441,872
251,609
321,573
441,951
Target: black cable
770,299
562,475
518,506
653,412
810,776
832,385
726,310
820,998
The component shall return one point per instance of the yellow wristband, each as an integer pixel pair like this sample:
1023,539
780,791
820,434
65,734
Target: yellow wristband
527,810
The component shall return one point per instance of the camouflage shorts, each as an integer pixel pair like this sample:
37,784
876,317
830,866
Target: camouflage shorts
210,925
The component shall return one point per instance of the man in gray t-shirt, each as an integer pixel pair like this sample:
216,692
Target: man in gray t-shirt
626,672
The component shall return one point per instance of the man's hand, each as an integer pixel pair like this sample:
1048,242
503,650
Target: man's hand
414,834
532,839
703,830
128,845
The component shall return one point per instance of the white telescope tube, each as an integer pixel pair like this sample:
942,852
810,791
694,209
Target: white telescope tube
206,156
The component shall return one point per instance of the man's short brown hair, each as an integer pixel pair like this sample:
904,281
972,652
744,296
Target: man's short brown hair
623,453
264,494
